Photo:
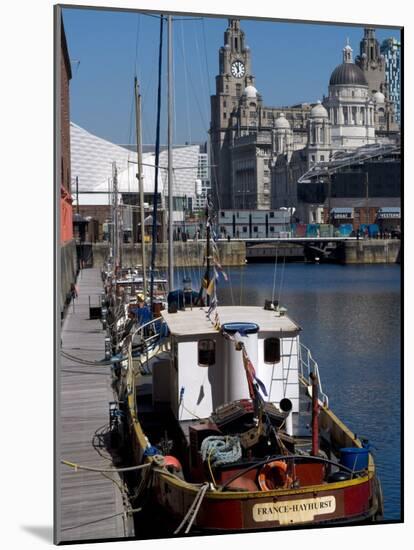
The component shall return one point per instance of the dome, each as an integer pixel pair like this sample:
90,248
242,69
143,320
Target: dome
348,74
250,92
282,122
379,97
318,111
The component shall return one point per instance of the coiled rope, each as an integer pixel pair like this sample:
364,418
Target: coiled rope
221,449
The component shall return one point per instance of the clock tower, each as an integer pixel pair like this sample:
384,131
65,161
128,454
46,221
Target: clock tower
234,62
233,78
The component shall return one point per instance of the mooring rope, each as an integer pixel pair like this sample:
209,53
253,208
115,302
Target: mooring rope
193,510
107,470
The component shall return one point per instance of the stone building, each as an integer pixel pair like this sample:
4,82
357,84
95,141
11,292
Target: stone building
259,152
373,63
243,131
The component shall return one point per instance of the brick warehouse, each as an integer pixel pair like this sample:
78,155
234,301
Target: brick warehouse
66,230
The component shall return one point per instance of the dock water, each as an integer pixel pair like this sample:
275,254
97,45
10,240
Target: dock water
91,505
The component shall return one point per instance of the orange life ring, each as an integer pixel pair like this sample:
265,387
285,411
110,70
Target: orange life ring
273,475
172,463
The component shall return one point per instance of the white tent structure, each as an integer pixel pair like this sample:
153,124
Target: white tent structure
91,163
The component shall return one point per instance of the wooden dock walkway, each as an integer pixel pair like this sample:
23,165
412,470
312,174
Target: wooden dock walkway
83,397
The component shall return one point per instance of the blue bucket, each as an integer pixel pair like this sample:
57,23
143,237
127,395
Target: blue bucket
354,458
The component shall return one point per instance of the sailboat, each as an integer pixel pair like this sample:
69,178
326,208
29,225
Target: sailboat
227,420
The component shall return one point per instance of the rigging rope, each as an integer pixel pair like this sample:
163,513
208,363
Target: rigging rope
187,99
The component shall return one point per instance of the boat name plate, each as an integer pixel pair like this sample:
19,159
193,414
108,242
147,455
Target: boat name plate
293,511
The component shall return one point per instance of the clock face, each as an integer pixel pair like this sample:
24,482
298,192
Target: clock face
237,69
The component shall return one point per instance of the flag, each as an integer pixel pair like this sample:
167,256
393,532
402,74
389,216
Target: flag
210,288
253,381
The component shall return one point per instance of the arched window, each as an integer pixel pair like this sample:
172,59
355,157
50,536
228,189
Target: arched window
206,352
272,350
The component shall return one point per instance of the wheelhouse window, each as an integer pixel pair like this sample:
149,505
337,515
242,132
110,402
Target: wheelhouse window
206,352
272,350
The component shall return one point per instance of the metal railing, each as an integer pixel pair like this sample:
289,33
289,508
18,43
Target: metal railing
152,335
307,364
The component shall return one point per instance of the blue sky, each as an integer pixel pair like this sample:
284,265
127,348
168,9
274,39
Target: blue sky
291,62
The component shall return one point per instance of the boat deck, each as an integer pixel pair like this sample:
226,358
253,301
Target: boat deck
195,321
85,498
155,418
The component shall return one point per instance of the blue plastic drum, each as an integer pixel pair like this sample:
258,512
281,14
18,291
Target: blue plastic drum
354,458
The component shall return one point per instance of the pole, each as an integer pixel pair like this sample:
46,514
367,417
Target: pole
329,197
77,195
315,414
208,257
170,160
115,220
157,160
141,184
367,195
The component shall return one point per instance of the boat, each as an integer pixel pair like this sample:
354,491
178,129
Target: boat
230,418
226,422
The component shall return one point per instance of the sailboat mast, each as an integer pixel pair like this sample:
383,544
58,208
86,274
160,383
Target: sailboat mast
157,160
141,184
170,160
115,220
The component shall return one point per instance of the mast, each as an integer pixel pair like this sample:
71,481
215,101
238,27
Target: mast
157,160
141,184
208,229
77,195
170,160
115,215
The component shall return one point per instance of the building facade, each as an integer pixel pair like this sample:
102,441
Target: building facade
259,152
203,182
243,131
66,229
372,62
391,50
256,224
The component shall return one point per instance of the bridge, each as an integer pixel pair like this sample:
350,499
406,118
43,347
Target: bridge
293,248
345,159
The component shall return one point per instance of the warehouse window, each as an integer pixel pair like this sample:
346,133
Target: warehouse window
206,353
272,350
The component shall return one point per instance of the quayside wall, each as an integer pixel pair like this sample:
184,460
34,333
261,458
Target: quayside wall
188,253
372,251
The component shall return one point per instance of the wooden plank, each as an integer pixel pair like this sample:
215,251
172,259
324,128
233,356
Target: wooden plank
85,391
